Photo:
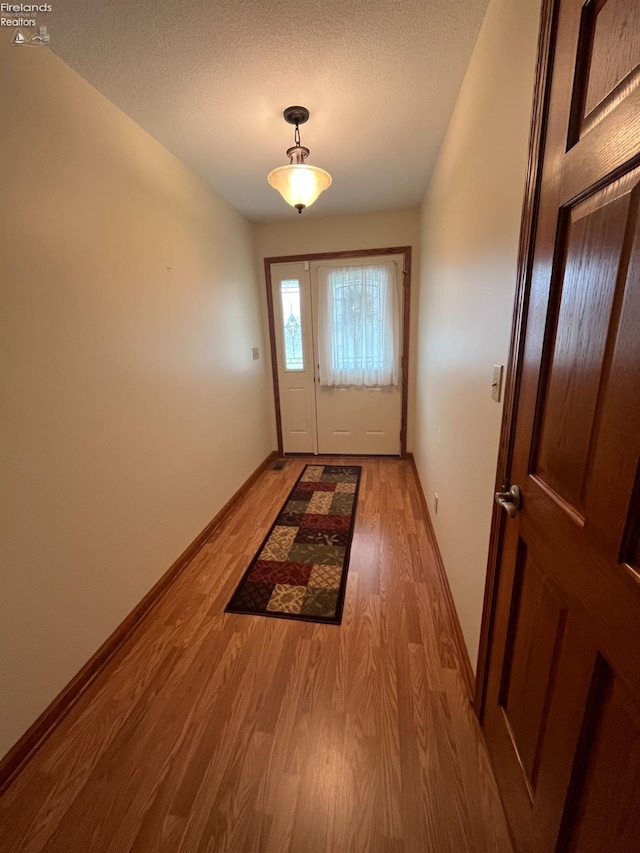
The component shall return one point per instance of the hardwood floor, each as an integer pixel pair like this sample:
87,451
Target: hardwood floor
221,732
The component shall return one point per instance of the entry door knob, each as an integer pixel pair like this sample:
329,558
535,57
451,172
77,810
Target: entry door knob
510,501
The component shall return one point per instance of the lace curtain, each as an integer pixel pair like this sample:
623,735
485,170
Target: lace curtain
358,325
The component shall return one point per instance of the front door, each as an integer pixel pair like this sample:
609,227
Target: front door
361,418
360,411
562,713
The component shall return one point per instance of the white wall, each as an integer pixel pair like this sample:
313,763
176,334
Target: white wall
298,235
470,223
132,409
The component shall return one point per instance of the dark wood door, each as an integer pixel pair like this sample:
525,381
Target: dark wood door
562,710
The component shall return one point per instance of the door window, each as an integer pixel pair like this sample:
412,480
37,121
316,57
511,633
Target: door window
358,325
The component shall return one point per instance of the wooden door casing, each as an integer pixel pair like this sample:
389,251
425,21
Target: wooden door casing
562,706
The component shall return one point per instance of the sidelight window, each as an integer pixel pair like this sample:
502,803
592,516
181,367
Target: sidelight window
292,325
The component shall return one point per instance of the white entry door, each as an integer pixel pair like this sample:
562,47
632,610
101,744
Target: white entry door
357,306
358,408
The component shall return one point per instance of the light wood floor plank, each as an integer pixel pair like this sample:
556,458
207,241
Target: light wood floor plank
246,734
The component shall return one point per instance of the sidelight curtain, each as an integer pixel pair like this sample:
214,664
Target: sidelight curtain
358,325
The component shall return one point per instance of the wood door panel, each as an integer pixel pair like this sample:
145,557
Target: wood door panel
603,598
613,503
562,708
532,651
602,810
582,167
610,65
535,759
576,349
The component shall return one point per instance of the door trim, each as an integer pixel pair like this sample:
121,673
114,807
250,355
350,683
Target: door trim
405,251
540,108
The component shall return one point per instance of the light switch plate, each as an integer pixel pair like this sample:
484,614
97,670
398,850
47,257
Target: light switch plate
496,383
256,353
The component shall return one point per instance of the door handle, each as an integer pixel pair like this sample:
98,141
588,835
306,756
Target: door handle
510,501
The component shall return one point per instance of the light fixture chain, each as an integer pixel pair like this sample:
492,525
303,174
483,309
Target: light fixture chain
296,136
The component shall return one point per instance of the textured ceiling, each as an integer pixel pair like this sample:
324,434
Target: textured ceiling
209,80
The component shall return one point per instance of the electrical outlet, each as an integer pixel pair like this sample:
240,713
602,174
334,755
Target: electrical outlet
256,353
435,502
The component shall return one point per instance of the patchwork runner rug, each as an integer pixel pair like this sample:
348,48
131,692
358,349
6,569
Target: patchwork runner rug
300,570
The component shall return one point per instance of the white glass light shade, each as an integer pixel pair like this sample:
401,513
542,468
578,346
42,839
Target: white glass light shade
299,185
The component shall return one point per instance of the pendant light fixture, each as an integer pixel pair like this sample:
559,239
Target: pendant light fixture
298,184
